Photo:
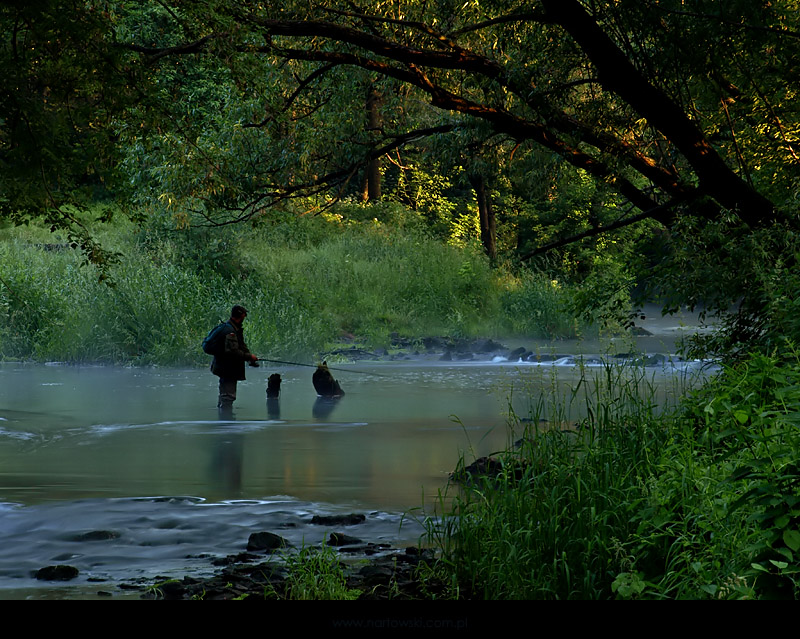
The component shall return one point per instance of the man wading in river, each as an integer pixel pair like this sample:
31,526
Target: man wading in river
229,359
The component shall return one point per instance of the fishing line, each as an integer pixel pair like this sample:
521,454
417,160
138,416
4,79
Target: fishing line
332,368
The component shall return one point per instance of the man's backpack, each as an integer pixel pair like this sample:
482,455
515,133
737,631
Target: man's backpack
214,342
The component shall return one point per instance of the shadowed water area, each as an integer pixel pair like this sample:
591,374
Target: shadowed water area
128,473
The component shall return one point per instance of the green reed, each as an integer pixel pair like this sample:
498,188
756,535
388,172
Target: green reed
313,574
629,502
307,282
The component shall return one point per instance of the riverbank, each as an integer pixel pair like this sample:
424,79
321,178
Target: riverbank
304,291
344,568
273,565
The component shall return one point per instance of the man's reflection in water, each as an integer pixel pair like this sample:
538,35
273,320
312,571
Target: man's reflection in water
226,458
324,406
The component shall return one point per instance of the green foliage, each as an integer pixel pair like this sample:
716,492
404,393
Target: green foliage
536,305
751,418
58,153
375,281
698,501
748,281
306,281
549,526
314,574
220,113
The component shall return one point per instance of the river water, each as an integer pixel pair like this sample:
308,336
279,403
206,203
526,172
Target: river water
128,473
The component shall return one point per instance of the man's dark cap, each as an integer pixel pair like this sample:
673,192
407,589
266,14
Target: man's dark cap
238,311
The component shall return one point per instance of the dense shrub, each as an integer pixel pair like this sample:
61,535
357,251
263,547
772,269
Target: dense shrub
307,281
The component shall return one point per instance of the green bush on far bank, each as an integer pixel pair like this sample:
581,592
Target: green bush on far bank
307,282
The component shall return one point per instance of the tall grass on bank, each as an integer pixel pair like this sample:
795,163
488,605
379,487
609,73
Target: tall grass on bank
701,501
306,282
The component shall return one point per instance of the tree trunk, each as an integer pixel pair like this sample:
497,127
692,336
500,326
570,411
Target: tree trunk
372,177
486,215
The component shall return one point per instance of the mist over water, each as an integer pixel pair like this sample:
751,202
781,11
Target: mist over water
142,455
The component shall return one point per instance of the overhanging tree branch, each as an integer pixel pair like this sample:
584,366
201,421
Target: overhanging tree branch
270,195
656,213
396,55
618,75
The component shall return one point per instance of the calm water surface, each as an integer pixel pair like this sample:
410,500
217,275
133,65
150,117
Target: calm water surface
142,455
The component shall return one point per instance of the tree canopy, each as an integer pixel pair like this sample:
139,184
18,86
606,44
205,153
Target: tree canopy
683,109
611,88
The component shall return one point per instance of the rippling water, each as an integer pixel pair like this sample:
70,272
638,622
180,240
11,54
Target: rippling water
138,458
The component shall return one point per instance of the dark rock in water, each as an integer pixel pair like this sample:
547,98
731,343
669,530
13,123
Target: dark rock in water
56,573
387,576
414,555
436,343
266,541
400,342
640,332
274,386
446,357
367,549
489,346
170,500
339,520
96,535
324,383
340,539
242,557
484,466
656,360
491,468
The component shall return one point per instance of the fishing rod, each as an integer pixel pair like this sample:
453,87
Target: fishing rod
332,368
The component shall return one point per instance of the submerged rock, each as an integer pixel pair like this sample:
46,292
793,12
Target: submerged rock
339,520
324,383
57,573
520,353
340,539
266,541
274,386
487,346
491,468
96,535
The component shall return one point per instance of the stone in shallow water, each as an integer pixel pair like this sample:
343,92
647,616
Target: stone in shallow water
340,539
57,573
338,520
96,535
266,541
